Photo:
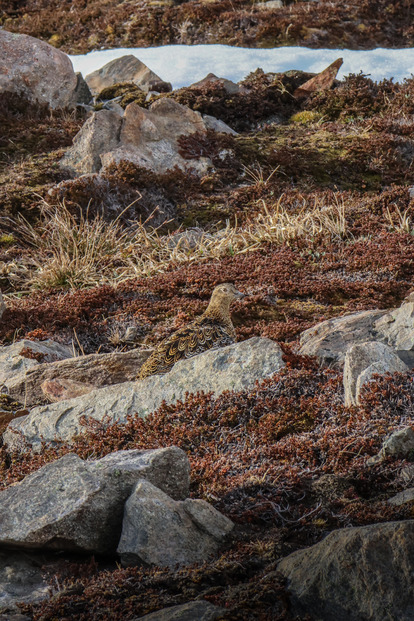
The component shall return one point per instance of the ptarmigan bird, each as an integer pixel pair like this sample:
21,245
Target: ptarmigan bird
211,330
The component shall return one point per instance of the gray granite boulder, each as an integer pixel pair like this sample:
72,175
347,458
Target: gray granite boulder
36,70
362,361
331,339
397,326
199,610
235,367
96,369
355,574
71,504
158,530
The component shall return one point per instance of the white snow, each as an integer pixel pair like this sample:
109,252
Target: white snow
184,64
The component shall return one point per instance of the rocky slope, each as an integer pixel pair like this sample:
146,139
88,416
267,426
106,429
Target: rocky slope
280,461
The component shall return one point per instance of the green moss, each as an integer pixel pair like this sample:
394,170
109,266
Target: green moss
7,240
129,93
306,117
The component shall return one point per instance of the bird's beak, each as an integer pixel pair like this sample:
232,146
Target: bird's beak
239,295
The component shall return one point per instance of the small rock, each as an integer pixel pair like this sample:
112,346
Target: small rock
231,88
331,339
2,305
354,574
402,498
218,126
407,474
158,530
269,5
126,69
362,361
321,82
199,610
25,355
60,389
399,444
36,70
82,92
235,367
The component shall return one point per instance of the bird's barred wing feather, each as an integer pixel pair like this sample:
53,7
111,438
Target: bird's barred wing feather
201,335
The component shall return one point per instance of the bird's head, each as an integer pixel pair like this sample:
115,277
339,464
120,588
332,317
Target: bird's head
225,294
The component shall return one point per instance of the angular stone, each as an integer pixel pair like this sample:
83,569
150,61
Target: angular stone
158,530
166,468
95,369
36,70
149,138
402,498
397,327
362,361
354,574
99,134
24,355
321,82
21,580
218,126
71,504
398,444
331,339
83,94
199,610
230,87
126,69
235,367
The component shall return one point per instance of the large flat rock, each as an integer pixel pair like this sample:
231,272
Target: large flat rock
97,369
236,367
355,574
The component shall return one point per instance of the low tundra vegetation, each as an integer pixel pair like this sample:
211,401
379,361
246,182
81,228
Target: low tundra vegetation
309,211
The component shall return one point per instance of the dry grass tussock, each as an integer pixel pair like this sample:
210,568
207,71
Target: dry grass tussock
78,252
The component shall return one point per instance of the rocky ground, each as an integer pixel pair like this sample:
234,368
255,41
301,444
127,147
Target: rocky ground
82,25
307,206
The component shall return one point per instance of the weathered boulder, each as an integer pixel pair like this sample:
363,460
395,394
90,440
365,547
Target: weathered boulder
24,355
36,70
331,339
398,444
147,138
199,610
362,361
397,327
354,574
83,94
126,69
236,367
99,134
158,530
21,580
71,504
95,369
